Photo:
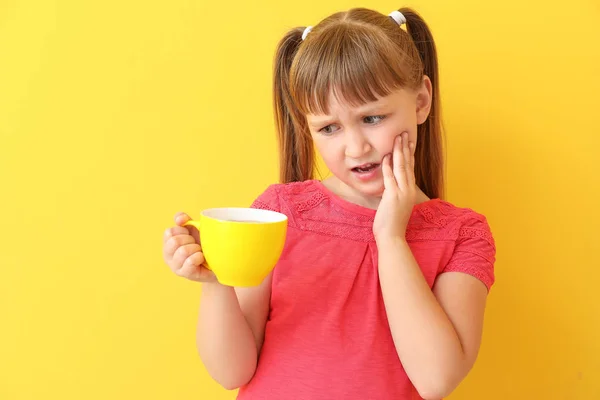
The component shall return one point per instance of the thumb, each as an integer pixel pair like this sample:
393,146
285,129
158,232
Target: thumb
181,218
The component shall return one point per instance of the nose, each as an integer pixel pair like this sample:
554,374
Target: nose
357,144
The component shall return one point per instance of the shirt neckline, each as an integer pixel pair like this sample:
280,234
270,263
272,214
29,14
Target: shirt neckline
358,209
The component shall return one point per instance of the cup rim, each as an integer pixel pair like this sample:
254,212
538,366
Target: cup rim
270,216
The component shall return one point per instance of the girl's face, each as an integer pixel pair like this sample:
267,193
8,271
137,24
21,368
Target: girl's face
353,140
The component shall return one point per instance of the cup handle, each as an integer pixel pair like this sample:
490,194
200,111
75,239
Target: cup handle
196,224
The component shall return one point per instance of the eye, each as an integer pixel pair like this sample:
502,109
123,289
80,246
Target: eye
373,119
328,130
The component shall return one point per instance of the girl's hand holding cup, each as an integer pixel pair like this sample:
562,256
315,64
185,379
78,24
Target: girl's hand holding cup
182,251
240,245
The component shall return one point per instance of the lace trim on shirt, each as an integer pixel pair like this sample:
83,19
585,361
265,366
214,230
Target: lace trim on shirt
312,210
334,221
263,205
439,221
337,222
311,203
476,234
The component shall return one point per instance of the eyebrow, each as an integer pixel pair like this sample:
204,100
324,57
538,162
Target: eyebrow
369,109
321,121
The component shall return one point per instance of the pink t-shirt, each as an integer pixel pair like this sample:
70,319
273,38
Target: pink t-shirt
327,336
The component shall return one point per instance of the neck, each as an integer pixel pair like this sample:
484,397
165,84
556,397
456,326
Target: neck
354,196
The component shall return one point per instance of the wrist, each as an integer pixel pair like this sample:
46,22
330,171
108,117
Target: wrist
215,287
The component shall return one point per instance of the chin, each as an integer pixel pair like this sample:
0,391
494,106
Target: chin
369,189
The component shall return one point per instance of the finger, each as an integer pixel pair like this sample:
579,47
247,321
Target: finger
191,264
406,152
183,252
181,218
195,269
400,161
174,231
200,274
411,175
176,242
389,181
196,259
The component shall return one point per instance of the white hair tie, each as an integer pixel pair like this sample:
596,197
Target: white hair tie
306,32
398,17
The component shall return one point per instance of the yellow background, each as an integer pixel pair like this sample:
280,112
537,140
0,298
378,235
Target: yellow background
116,114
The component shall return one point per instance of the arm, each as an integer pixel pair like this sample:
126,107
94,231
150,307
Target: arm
436,334
231,328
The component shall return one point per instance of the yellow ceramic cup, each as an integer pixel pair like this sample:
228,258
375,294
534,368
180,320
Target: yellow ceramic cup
241,245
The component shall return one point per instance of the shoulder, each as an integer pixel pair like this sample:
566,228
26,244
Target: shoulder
310,208
451,222
474,248
284,197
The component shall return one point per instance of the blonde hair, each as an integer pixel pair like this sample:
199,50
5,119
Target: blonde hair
359,55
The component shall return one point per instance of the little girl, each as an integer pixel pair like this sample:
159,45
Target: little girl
381,288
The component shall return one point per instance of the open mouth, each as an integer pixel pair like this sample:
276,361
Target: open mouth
365,168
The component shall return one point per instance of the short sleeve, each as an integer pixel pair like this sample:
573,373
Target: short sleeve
475,251
268,200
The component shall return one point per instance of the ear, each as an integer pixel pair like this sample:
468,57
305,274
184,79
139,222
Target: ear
424,97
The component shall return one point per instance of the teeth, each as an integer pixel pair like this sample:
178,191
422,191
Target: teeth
366,168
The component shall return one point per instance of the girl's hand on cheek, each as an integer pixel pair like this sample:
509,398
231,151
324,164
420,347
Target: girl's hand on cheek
400,191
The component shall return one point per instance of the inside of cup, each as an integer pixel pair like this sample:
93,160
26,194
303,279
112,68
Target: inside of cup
247,215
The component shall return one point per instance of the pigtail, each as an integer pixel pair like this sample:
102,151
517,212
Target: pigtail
429,168
296,153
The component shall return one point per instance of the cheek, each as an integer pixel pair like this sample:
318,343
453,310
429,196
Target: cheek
385,142
388,145
329,151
